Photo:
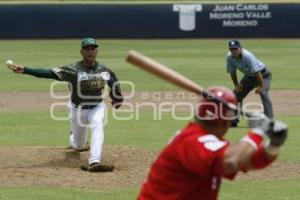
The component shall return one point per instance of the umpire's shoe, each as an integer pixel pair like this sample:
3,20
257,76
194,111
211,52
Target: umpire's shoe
233,125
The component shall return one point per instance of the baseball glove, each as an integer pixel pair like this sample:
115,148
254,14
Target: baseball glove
116,100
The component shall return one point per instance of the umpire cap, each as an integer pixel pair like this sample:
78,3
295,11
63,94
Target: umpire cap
233,44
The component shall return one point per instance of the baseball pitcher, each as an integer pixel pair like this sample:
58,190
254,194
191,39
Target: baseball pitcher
87,79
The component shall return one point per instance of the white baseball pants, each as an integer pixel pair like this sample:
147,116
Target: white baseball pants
81,119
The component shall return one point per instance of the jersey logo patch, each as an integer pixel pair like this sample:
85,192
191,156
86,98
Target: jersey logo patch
105,76
82,76
211,142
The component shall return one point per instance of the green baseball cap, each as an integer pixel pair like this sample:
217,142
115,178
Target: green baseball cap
88,42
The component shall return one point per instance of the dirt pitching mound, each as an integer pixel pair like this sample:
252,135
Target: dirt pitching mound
60,167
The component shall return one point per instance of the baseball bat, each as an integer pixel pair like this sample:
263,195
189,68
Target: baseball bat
163,72
170,75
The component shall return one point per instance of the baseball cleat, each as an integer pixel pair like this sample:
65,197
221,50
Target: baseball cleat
97,167
85,148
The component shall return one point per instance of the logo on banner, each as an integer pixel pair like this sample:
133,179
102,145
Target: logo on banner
187,15
240,15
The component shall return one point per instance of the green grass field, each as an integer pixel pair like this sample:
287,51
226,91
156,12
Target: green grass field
200,60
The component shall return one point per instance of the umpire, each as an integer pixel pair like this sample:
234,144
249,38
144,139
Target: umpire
256,75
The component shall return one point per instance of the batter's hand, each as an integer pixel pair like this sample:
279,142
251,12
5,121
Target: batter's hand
16,68
238,88
278,133
259,123
258,90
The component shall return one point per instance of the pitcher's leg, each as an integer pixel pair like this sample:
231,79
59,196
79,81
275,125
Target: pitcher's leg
70,114
96,118
264,95
78,128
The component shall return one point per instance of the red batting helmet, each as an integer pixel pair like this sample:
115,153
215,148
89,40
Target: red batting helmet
218,105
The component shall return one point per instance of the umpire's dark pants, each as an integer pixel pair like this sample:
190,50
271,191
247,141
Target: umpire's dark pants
249,83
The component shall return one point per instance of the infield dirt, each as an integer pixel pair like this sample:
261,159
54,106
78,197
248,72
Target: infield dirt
60,167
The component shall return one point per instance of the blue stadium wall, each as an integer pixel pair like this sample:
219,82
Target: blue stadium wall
150,21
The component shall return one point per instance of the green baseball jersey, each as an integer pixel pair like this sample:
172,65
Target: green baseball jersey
87,83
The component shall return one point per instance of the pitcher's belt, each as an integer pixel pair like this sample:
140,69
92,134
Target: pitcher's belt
86,107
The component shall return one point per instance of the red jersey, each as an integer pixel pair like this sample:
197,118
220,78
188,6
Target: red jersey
189,167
